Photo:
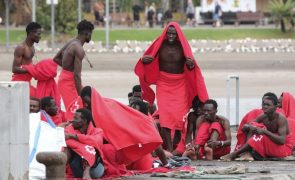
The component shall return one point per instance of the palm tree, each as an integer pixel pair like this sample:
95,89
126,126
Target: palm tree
283,12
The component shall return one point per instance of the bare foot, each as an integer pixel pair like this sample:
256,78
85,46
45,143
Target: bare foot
190,153
228,157
168,154
208,152
245,157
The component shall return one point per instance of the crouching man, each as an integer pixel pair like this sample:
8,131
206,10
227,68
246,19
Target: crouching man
268,136
84,142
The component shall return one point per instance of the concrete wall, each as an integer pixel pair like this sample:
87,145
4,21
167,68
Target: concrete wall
14,130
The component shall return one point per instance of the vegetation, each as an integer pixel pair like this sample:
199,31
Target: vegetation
283,12
150,34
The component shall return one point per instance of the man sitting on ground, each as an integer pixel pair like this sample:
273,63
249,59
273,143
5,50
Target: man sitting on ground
83,146
34,105
268,136
213,137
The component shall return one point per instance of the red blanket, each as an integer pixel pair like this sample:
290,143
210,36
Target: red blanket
70,111
27,78
288,106
263,145
45,72
172,100
204,132
149,74
87,143
132,133
67,88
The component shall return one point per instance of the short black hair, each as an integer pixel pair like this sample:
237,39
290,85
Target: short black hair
86,114
32,26
196,103
84,25
130,94
213,102
86,91
136,88
35,99
143,107
45,102
269,94
273,98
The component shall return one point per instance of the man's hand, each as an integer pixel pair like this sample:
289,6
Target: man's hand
258,130
70,136
147,59
64,124
213,144
86,173
189,63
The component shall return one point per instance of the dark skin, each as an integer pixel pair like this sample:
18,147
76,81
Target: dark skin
24,52
209,115
276,128
171,60
80,124
71,55
52,108
34,106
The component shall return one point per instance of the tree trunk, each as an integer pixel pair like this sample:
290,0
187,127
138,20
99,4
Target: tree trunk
283,28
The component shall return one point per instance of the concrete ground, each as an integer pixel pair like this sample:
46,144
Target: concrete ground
113,77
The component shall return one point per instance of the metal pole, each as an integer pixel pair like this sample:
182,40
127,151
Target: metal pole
52,25
34,10
107,24
237,97
7,24
79,11
228,98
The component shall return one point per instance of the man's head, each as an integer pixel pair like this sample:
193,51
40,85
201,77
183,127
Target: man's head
140,106
33,30
136,91
269,103
49,106
197,106
85,29
82,118
34,105
171,34
86,97
210,110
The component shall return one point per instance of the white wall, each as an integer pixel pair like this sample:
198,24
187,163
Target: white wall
229,5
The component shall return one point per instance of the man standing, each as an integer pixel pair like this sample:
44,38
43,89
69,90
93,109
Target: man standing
84,143
169,63
268,136
70,59
213,137
24,53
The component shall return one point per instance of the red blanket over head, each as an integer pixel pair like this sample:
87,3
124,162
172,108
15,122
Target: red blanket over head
132,133
149,74
288,105
45,72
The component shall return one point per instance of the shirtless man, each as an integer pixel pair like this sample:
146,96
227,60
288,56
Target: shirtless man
24,53
268,136
173,94
70,59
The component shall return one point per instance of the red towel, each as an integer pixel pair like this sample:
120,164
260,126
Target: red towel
172,100
87,143
67,88
263,145
149,74
288,105
27,78
132,133
250,116
70,111
45,72
203,135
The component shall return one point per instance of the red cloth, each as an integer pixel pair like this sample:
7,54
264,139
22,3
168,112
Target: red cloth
144,163
57,119
76,104
149,74
87,143
264,146
288,105
67,88
45,72
203,135
172,100
27,78
181,145
132,133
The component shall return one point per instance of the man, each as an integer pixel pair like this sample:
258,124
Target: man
34,105
169,63
51,112
213,136
137,95
70,59
268,136
24,53
83,146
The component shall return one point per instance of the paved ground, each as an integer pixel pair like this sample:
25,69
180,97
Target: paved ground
113,76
